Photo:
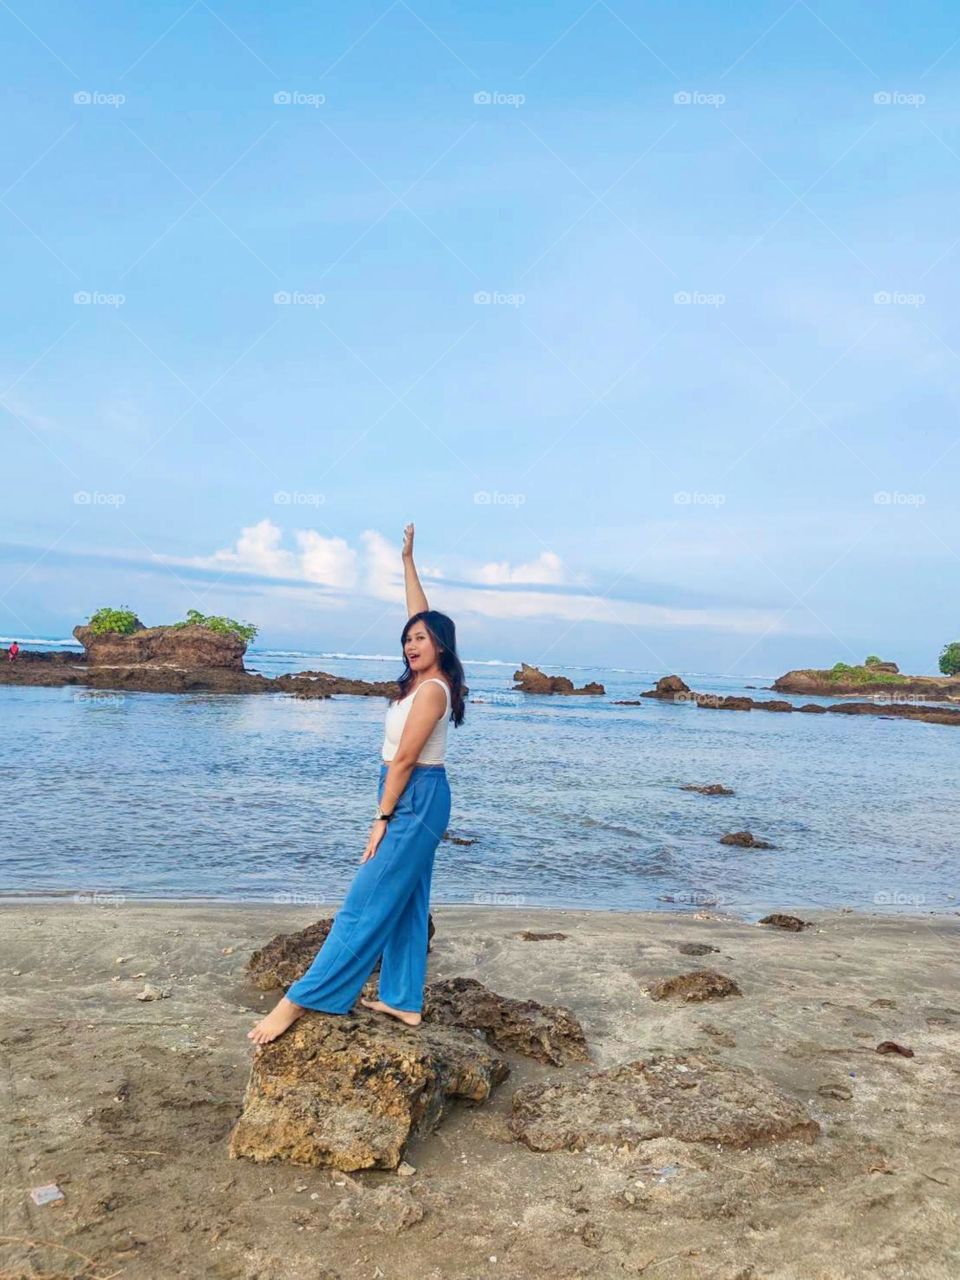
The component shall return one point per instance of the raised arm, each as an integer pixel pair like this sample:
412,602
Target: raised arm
416,600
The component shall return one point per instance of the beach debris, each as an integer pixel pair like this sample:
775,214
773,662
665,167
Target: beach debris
150,992
699,984
709,789
349,1091
49,1193
548,1033
287,956
695,948
745,840
891,1046
689,1098
780,921
528,935
532,680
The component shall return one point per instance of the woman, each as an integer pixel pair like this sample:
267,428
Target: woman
384,915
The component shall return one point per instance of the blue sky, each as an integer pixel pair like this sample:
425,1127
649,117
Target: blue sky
645,315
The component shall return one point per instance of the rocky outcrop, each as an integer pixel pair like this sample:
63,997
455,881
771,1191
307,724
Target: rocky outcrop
881,677
710,789
532,680
320,684
745,840
188,648
287,956
350,1091
548,1033
792,923
700,984
689,1098
670,688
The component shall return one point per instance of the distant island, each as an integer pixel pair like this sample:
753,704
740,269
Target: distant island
871,676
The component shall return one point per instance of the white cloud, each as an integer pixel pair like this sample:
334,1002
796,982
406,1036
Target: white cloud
546,569
331,562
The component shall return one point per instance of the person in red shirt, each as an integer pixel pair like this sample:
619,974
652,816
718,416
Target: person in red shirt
13,651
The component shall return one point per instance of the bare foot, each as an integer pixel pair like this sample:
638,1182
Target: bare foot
284,1014
404,1015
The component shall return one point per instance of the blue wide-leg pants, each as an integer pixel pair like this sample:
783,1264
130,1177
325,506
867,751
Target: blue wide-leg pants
384,915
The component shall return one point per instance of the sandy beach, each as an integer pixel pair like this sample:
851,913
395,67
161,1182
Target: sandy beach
127,1105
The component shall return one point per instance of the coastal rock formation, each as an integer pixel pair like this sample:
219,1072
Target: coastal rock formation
532,680
188,648
699,984
745,840
320,684
548,1033
878,677
670,688
288,956
689,1098
349,1092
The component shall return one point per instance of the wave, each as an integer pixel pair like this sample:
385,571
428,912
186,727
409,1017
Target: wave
38,640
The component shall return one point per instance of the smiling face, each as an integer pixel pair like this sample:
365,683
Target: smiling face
419,648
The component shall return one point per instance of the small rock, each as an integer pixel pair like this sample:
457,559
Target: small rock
150,992
793,923
700,984
841,1091
745,840
529,936
891,1046
405,1170
711,789
695,948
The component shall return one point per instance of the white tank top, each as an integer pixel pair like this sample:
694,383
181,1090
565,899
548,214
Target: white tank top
434,748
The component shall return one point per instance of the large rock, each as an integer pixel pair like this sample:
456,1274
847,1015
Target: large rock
670,688
548,1033
533,680
881,677
184,647
698,984
689,1098
350,1091
287,956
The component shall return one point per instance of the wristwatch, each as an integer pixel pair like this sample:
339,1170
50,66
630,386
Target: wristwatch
381,816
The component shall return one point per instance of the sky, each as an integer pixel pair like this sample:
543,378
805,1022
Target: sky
645,315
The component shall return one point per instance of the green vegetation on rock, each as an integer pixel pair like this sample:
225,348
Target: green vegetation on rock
214,622
123,621
844,673
950,659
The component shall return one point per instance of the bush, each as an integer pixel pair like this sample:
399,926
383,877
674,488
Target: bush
950,659
123,621
872,660
214,622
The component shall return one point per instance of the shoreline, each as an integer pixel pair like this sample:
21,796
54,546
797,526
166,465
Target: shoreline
127,1105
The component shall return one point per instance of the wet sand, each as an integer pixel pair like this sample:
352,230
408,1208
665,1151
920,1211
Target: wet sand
127,1106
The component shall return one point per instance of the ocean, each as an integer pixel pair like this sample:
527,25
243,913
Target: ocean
570,801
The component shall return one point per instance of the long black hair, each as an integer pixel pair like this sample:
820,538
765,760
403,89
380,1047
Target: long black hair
443,633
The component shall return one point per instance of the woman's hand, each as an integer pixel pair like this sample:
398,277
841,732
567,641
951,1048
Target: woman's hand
407,552
377,830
